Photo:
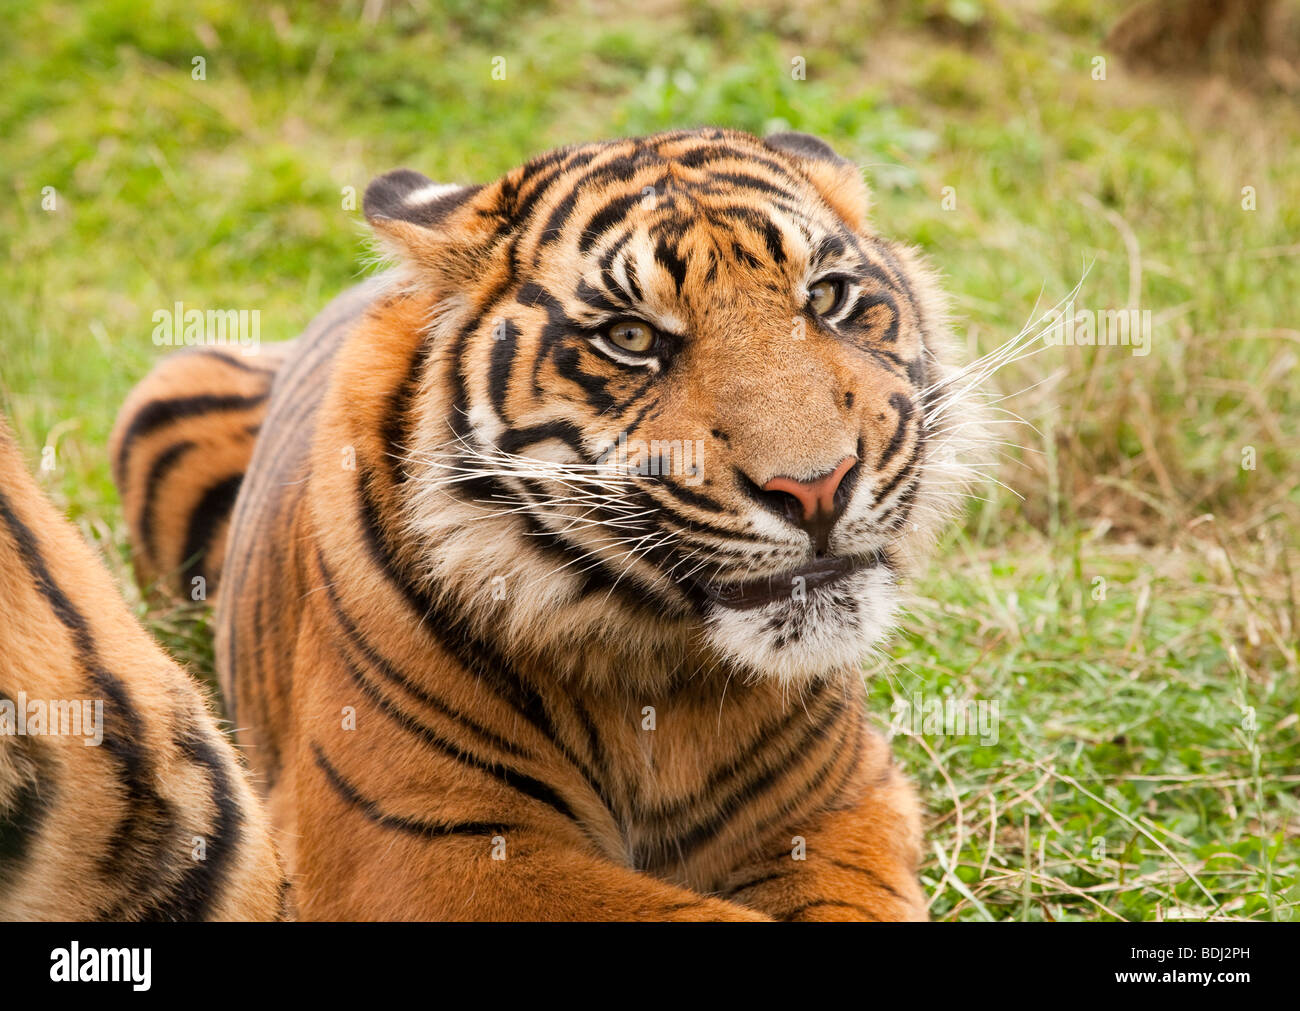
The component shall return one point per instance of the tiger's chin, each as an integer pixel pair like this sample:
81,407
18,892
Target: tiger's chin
822,626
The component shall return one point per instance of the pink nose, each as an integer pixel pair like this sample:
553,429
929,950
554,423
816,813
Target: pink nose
817,497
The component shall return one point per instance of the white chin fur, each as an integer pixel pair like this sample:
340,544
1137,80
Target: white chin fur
798,641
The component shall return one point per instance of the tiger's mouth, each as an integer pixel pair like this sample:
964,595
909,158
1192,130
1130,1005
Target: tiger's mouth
792,585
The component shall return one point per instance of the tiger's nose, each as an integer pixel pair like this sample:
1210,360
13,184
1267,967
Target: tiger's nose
816,499
815,496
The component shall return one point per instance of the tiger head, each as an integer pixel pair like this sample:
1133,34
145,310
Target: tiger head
678,406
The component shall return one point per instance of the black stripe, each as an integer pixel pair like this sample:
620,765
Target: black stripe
629,268
918,373
745,180
903,471
833,799
873,300
828,248
162,465
595,298
684,494
902,505
668,516
515,439
157,413
607,217
282,907
756,220
868,873
903,406
709,153
901,281
132,851
412,826
395,429
569,161
227,358
213,507
595,388
28,804
825,903
745,256
559,215
667,258
503,356
631,427
193,896
607,263
620,167
762,879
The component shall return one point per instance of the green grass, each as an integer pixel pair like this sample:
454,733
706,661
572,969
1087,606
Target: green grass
1121,719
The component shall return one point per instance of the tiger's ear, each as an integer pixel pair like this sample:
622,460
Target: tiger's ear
441,227
838,180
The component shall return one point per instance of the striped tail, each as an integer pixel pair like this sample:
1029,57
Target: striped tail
180,446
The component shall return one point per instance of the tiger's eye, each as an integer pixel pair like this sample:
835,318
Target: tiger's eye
632,335
823,296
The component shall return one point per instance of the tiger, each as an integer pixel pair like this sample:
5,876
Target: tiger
119,797
560,541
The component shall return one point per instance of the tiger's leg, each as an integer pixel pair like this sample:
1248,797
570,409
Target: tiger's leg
854,861
403,810
180,446
127,803
381,860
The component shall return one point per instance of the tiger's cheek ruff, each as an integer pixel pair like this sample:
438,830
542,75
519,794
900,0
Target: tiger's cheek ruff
502,562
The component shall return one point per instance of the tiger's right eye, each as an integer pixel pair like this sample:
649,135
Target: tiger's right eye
824,295
632,335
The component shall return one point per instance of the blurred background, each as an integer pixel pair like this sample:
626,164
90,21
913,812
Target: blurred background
1125,590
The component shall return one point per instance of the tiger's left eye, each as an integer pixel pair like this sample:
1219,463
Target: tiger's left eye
632,335
824,295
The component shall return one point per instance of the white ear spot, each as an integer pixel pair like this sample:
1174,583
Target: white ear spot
427,194
404,195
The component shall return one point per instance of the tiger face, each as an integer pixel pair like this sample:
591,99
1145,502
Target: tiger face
677,408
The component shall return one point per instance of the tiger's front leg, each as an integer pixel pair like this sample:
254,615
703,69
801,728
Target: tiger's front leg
412,814
368,858
856,860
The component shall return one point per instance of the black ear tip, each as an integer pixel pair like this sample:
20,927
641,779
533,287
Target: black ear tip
387,194
804,145
404,195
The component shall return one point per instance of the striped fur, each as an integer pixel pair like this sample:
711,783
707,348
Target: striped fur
178,457
487,675
156,822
